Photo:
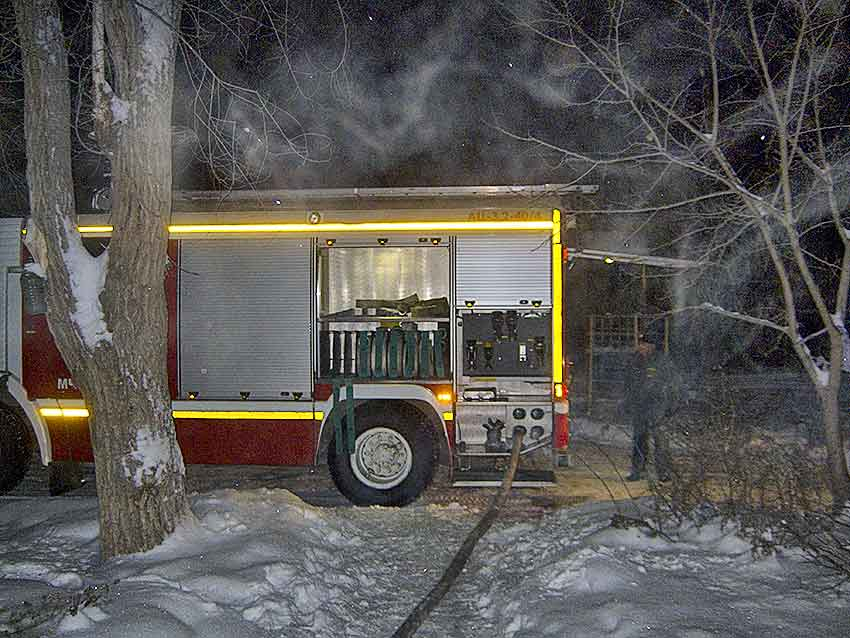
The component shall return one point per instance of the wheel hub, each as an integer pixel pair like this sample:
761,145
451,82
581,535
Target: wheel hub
382,458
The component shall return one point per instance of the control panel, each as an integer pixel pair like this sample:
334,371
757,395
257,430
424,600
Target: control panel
508,343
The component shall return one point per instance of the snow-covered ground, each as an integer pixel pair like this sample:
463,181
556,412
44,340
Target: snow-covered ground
263,563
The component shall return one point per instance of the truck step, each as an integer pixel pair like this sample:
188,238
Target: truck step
524,478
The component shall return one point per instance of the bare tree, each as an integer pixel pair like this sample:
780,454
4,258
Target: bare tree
742,102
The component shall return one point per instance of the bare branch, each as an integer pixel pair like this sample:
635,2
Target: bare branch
739,316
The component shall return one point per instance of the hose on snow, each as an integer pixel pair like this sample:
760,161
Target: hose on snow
433,598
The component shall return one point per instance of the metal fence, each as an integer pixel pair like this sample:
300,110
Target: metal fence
611,340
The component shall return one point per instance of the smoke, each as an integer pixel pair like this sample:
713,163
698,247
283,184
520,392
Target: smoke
416,92
409,93
426,86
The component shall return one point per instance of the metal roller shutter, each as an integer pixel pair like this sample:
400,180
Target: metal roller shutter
10,255
500,270
245,318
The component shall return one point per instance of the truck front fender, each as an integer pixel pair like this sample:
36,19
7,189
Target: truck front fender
17,395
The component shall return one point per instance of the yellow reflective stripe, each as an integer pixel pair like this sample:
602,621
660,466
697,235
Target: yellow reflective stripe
557,301
291,416
356,227
339,227
95,229
81,413
68,413
448,416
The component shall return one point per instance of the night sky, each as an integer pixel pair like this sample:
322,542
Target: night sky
416,98
372,93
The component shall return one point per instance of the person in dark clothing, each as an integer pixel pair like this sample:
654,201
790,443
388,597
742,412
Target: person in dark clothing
648,399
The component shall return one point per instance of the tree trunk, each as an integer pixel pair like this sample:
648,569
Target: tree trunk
113,337
836,461
839,477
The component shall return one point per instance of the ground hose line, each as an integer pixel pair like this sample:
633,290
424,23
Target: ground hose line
433,598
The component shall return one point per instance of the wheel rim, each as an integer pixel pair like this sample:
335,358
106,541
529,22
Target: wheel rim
382,458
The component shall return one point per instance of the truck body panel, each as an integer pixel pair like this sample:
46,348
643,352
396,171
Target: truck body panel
284,314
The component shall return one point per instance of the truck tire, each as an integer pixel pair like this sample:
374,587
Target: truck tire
393,461
15,449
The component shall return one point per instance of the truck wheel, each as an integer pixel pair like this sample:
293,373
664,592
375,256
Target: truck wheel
15,449
393,460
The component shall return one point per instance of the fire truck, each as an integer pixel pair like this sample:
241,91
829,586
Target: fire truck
381,331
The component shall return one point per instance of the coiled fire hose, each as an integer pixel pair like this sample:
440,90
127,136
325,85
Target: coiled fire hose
433,598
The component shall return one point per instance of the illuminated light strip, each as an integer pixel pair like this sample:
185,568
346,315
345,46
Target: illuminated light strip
338,227
290,416
82,413
357,227
557,300
94,229
68,413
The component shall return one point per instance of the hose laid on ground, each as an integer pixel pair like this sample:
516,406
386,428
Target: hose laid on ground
429,603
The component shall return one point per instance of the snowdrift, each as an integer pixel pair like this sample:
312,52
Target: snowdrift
263,563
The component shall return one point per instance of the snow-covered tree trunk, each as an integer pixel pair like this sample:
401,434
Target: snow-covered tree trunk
108,313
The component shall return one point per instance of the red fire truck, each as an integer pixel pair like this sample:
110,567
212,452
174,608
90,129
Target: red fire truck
383,331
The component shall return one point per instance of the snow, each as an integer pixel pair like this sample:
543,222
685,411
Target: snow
600,431
263,563
715,308
838,322
36,269
149,458
120,109
764,209
819,365
157,42
88,276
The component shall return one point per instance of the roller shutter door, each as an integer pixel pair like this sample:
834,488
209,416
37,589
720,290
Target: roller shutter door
10,255
245,318
500,270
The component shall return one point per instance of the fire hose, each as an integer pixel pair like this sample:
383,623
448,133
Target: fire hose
433,598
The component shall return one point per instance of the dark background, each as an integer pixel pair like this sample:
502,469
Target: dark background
421,93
